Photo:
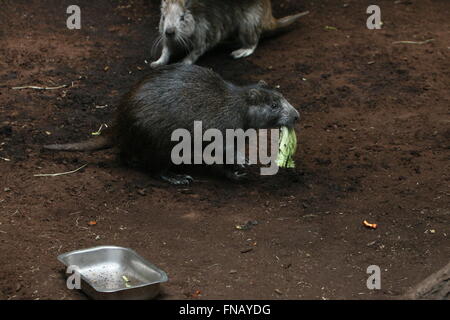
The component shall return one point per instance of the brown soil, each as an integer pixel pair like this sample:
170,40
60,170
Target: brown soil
373,145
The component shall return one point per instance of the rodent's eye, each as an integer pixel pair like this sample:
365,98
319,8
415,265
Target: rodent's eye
274,106
182,17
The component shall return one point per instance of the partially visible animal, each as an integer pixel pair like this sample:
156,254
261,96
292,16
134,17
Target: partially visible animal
199,25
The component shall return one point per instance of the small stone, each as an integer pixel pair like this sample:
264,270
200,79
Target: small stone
141,192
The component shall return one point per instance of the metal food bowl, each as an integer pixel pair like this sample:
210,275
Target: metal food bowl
115,273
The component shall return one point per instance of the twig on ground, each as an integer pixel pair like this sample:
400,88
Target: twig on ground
413,42
59,174
99,131
40,88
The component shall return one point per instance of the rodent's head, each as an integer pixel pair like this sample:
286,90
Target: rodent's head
269,109
177,21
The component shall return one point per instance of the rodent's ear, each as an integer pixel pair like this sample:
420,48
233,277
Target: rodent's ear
253,95
263,84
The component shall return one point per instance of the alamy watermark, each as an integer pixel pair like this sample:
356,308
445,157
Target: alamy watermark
374,20
374,280
74,20
73,278
229,148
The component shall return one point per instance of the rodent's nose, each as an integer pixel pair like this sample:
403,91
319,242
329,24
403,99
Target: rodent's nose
170,32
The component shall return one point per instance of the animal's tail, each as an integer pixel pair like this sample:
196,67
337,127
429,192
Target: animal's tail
279,25
98,143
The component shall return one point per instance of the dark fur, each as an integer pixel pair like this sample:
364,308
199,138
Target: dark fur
173,97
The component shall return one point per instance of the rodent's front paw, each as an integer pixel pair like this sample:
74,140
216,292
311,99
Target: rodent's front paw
156,64
188,62
236,176
178,180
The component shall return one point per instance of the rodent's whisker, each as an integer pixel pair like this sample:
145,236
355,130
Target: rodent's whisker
156,44
183,41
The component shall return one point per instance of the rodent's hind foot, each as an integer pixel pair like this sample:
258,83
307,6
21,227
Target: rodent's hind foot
177,179
242,53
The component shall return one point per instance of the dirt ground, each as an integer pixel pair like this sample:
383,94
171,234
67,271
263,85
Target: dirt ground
374,145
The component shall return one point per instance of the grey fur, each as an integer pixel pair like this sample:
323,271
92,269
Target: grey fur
200,25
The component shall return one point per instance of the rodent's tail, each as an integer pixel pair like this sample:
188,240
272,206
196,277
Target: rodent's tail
279,25
98,143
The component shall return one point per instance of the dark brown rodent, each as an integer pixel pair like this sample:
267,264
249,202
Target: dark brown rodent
173,97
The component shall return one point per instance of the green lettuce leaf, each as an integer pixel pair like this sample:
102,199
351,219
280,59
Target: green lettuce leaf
287,148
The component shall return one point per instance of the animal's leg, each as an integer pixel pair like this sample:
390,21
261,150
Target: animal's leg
193,56
241,159
232,171
199,47
229,172
164,59
176,179
249,37
239,156
244,52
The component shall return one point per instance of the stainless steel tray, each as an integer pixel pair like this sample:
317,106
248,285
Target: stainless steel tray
115,273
